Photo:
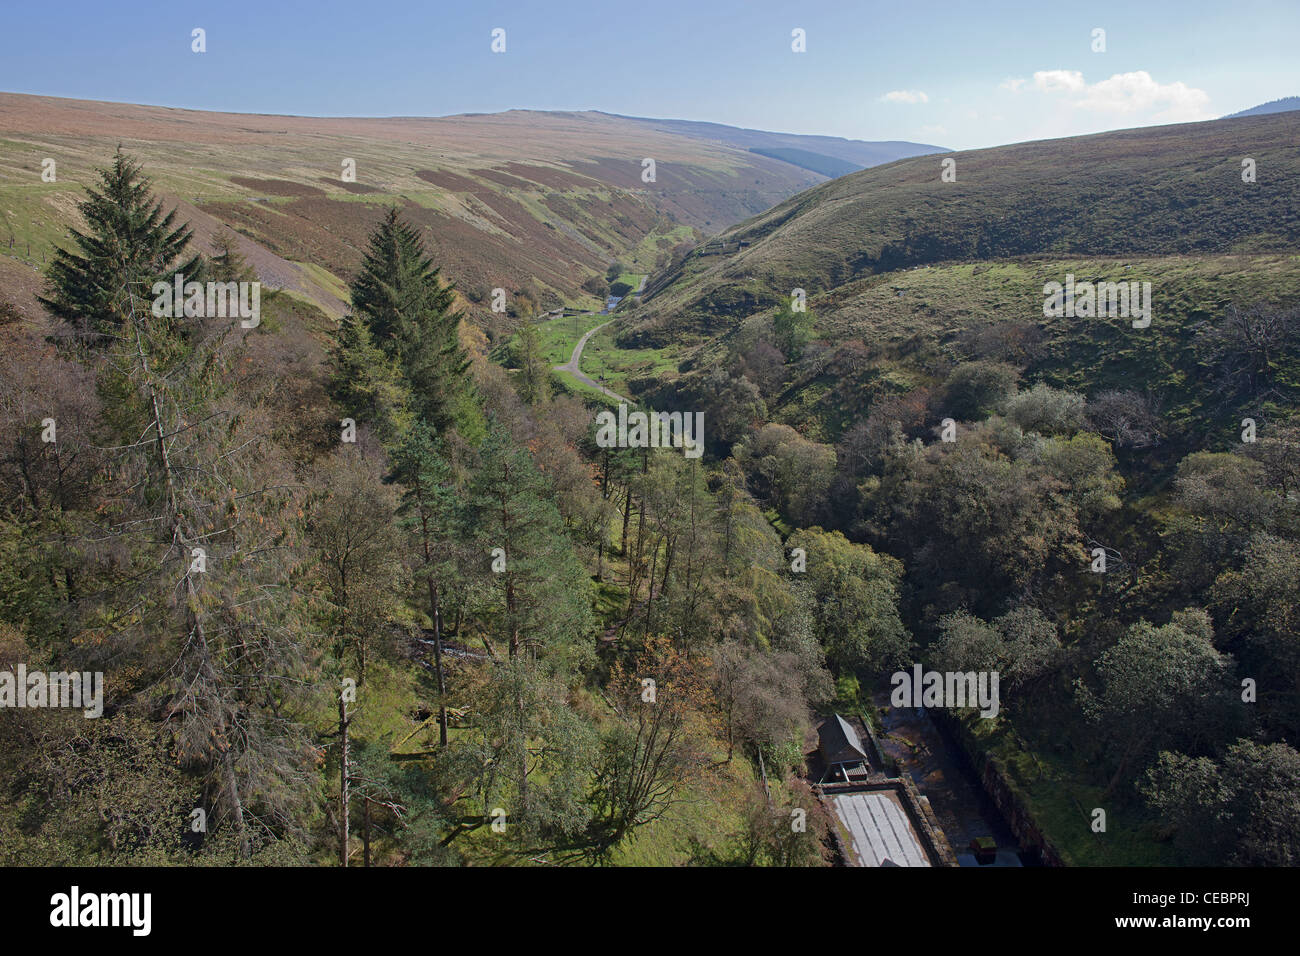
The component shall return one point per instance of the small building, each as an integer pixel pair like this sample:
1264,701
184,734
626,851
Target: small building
841,748
881,820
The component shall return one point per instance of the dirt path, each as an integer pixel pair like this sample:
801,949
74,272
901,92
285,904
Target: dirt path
573,369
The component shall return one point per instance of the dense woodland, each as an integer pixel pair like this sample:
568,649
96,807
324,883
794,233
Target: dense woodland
471,635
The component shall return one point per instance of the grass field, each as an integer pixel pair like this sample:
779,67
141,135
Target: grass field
630,279
559,336
604,361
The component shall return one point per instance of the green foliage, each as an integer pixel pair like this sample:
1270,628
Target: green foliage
1047,410
355,541
129,245
534,372
1243,809
793,329
540,602
796,831
412,318
1021,645
853,594
366,383
972,522
1085,466
788,470
83,790
1159,688
228,264
977,389
544,786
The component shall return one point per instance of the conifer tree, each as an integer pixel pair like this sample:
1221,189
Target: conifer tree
792,329
431,510
534,385
365,383
129,245
195,608
540,592
412,317
227,263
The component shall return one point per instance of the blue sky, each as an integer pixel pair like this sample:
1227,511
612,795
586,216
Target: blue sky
954,74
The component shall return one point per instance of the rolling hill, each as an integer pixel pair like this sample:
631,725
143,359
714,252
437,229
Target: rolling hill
533,202
1283,105
852,152
901,268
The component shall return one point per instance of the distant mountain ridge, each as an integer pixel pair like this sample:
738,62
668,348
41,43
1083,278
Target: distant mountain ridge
1285,105
806,159
861,153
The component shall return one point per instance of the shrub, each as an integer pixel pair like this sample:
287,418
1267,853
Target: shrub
1047,410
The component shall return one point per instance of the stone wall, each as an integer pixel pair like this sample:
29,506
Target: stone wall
999,789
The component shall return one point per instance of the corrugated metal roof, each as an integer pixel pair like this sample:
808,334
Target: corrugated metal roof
879,830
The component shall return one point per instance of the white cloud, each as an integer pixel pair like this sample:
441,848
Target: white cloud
1138,92
934,130
1122,94
905,96
1054,81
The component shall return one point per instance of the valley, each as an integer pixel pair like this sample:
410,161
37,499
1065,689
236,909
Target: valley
403,481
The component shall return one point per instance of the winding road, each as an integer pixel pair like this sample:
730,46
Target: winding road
572,367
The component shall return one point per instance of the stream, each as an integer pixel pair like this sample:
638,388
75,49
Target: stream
943,774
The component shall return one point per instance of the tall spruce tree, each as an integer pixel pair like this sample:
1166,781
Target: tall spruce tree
412,317
129,244
365,382
196,530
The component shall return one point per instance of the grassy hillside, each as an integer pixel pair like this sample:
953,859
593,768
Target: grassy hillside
1172,190
905,274
532,202
887,334
806,159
